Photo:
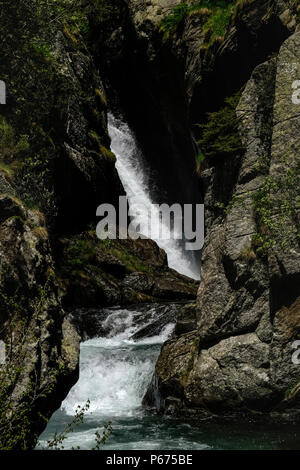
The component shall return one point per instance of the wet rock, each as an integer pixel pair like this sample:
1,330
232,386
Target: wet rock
10,208
30,303
88,322
161,315
147,320
231,372
187,319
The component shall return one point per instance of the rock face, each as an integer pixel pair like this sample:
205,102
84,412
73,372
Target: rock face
85,173
233,353
239,356
150,319
41,346
55,170
137,68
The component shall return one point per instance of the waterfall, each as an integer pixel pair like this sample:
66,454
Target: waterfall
114,375
134,174
116,370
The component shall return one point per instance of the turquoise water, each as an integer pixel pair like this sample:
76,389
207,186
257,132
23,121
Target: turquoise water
155,433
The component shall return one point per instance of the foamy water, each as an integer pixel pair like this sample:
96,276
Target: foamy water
134,174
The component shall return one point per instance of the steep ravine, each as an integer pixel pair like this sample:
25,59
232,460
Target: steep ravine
120,346
239,357
231,352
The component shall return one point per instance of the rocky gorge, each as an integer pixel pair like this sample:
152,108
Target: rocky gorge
207,87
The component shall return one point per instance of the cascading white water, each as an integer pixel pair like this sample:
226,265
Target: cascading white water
116,370
114,374
133,173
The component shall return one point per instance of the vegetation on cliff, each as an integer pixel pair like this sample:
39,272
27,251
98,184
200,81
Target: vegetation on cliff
54,156
43,93
95,272
220,136
215,15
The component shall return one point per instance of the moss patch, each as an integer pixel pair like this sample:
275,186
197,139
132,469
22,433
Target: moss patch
215,15
89,253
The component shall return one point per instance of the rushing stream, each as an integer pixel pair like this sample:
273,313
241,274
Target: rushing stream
114,374
116,370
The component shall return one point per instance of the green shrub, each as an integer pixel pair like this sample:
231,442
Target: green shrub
220,133
9,145
200,159
56,443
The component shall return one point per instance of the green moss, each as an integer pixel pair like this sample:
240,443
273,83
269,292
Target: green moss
105,152
80,253
171,22
10,146
220,133
87,252
101,98
117,249
219,19
131,262
276,205
216,16
200,159
41,48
